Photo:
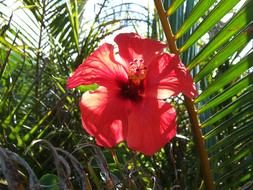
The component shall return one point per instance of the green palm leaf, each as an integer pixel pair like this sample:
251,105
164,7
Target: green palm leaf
41,43
225,99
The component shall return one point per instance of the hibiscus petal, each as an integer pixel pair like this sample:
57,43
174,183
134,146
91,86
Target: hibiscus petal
151,125
104,116
167,76
132,46
101,68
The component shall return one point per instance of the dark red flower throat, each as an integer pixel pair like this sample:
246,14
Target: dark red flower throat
134,88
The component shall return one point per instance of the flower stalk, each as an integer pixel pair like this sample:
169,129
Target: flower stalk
195,125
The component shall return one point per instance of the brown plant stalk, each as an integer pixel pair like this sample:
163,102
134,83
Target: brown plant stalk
195,125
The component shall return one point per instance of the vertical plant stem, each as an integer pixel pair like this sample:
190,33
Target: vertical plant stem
38,58
166,27
196,129
2,68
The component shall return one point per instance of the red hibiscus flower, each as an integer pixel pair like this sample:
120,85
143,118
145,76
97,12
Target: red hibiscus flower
129,104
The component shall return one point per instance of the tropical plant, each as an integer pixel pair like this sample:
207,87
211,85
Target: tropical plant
41,43
221,115
42,143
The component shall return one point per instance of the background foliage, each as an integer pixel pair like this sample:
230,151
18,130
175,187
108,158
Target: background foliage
43,145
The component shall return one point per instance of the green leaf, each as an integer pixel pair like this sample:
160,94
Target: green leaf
230,75
7,120
10,46
174,6
196,13
84,88
213,17
241,101
35,128
235,158
73,17
241,169
237,23
228,93
238,116
224,106
50,182
241,134
237,43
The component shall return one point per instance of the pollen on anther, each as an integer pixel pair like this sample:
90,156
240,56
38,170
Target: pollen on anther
137,71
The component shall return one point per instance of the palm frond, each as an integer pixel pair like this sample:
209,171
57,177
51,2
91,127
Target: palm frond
225,86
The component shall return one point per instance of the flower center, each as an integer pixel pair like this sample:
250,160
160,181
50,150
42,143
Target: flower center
137,71
134,88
